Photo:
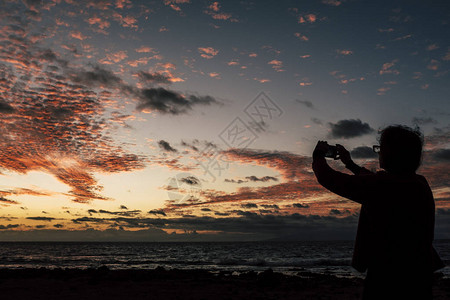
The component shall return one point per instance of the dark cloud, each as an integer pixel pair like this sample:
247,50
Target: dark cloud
253,179
349,129
206,209
218,213
337,212
170,102
58,225
129,213
300,205
363,152
263,179
270,206
441,154
248,225
7,201
191,180
154,99
247,214
9,226
98,76
316,121
249,205
183,143
157,212
41,218
153,77
6,108
123,207
166,146
306,103
238,181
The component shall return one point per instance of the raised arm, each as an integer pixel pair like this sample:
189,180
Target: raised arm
354,187
346,159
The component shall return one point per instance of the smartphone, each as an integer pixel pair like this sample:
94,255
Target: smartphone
332,152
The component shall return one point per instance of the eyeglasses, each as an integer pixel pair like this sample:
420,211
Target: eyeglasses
376,148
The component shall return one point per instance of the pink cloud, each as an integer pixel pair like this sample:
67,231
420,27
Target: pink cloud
112,58
122,3
214,6
344,52
233,63
145,49
125,21
433,65
78,35
310,18
102,24
173,4
261,80
301,37
208,52
432,47
276,65
387,68
382,90
214,75
214,11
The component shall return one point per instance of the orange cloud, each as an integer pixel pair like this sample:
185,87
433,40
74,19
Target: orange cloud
125,21
102,24
145,49
276,65
214,11
261,80
112,58
310,18
207,52
78,35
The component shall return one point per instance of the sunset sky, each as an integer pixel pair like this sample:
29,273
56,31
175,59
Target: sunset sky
195,120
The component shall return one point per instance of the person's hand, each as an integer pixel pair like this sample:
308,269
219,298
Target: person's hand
321,149
344,155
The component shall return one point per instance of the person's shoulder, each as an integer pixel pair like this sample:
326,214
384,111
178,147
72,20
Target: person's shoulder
400,178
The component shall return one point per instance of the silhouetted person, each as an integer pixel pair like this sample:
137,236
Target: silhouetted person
396,222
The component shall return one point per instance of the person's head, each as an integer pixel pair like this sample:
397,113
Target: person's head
400,149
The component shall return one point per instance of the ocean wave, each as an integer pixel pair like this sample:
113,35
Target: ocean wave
322,262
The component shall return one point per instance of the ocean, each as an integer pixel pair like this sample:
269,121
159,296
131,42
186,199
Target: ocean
324,257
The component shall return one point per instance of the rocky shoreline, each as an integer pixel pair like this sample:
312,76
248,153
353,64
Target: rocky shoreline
160,283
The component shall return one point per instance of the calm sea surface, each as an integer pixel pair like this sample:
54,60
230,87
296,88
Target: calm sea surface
332,257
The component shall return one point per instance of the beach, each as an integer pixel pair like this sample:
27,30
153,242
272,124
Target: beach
161,283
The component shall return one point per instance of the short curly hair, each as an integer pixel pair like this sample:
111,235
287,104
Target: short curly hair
402,147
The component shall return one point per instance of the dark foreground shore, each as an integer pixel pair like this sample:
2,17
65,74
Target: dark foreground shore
159,283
